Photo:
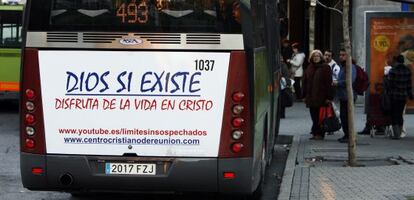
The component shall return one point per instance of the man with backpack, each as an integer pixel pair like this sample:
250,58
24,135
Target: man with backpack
342,95
361,83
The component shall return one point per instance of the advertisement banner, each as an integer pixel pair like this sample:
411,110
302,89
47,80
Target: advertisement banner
121,102
391,34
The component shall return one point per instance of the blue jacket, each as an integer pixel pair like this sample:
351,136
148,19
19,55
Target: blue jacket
341,88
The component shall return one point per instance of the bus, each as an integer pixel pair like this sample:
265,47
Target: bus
149,95
10,47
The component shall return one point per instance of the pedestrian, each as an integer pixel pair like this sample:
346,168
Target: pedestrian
399,79
296,63
317,90
287,51
335,71
286,95
341,93
379,129
334,67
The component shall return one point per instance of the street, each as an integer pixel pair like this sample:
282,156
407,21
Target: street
11,187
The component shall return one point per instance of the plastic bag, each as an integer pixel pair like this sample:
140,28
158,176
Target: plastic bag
328,120
336,109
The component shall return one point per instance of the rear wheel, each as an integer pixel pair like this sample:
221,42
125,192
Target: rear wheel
268,143
270,154
257,194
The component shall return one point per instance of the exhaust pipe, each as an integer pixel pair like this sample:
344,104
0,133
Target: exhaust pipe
66,179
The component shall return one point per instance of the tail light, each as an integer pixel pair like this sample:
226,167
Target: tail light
237,147
30,106
238,96
229,175
37,170
237,134
30,119
32,138
30,131
238,109
30,143
237,122
236,137
30,94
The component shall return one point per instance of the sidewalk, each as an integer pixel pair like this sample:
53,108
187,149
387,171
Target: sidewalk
315,169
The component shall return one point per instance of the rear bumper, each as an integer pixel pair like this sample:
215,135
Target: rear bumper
176,174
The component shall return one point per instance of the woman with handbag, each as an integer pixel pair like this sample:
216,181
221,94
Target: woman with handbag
317,89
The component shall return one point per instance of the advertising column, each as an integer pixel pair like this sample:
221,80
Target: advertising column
388,34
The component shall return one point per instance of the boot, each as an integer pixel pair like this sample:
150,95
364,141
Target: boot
403,132
396,129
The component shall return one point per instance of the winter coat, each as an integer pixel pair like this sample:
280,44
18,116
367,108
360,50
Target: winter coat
341,93
400,82
317,84
335,69
297,64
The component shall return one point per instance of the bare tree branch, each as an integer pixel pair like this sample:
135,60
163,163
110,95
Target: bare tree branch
337,4
327,7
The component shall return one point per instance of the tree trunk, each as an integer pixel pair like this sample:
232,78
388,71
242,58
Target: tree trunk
311,28
347,44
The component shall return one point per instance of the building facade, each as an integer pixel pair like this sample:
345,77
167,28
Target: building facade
320,26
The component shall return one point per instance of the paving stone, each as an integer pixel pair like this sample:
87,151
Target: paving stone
328,179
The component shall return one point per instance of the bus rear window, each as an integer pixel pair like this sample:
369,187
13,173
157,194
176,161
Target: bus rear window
208,16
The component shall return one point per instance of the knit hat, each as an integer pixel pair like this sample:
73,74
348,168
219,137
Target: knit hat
316,51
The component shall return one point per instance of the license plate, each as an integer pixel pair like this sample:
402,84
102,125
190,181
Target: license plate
130,168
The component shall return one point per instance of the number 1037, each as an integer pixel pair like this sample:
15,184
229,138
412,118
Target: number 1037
204,65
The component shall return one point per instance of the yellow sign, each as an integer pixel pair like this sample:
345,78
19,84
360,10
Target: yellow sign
382,43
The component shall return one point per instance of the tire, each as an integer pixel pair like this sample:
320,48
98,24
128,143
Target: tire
270,154
257,194
269,149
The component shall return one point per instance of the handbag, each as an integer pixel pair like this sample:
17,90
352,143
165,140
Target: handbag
328,120
286,97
